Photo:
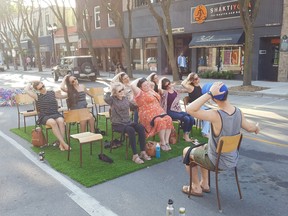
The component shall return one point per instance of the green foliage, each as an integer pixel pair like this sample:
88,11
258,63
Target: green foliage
95,171
217,75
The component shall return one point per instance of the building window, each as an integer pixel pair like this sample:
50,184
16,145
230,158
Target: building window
97,17
110,21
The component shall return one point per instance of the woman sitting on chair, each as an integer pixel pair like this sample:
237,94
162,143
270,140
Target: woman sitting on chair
170,103
47,108
151,114
121,122
192,85
77,99
154,80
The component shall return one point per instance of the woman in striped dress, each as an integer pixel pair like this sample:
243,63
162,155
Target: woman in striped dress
47,108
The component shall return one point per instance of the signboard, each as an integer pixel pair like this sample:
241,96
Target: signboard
216,11
284,44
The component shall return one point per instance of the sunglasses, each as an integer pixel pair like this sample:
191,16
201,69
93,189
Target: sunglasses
73,81
42,87
196,78
167,85
121,90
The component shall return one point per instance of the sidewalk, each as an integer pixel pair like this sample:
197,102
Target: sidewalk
275,89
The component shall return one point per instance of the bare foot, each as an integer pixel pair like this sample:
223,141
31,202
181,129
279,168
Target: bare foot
64,147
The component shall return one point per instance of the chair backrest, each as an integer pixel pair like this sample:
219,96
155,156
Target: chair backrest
96,91
24,99
77,115
99,100
229,143
186,101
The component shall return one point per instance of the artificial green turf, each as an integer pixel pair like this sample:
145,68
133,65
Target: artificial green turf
95,171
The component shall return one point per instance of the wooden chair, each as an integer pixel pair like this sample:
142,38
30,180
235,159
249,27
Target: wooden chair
94,91
98,104
225,144
25,107
186,100
72,116
126,138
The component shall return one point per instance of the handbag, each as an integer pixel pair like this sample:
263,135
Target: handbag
38,138
151,148
173,137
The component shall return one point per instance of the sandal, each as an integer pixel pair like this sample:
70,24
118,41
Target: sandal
144,156
168,146
164,147
185,189
137,159
205,190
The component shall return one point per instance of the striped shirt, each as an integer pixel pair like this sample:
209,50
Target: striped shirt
47,104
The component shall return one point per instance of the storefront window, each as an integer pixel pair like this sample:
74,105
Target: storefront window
276,55
219,58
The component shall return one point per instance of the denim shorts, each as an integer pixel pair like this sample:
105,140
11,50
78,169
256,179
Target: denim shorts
200,155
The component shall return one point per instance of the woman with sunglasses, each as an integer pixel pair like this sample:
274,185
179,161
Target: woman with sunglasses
123,78
47,107
151,114
154,79
192,85
77,99
121,122
170,99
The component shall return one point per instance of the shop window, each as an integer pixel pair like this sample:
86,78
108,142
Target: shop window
276,55
230,56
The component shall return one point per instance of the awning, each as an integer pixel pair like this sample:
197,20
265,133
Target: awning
217,38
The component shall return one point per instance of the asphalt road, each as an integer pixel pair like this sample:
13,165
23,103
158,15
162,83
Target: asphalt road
29,187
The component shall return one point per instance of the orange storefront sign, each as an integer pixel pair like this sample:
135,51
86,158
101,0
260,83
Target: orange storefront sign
200,14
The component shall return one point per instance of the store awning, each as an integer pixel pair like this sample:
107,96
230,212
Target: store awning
217,38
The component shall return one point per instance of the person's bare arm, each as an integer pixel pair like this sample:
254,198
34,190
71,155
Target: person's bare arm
30,90
63,86
59,95
250,126
134,87
186,84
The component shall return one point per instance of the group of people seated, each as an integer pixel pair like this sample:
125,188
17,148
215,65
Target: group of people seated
155,103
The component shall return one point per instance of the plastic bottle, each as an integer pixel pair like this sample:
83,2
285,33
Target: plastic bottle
182,211
157,150
170,208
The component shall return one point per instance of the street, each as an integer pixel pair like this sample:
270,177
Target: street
29,187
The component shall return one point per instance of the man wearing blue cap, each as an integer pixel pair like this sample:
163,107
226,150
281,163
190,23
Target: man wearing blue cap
227,120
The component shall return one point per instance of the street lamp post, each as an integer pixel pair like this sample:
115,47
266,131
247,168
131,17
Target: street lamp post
52,30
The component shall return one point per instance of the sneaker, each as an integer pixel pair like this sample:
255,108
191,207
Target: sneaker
143,155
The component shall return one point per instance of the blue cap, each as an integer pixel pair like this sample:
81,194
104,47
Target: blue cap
207,86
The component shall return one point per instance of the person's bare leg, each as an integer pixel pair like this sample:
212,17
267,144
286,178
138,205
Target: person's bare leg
204,179
195,178
162,140
83,126
57,132
92,124
167,135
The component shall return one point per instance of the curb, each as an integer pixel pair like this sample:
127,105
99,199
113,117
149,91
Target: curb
258,94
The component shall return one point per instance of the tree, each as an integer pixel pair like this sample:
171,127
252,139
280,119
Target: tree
31,16
248,13
60,13
84,26
115,11
283,63
166,38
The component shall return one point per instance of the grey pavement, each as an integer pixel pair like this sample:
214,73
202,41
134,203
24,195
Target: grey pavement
29,190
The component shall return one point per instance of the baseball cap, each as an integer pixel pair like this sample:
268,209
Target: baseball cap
207,86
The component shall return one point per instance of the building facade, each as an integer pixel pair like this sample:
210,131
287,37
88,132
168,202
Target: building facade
211,36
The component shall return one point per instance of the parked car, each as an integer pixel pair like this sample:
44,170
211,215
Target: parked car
78,66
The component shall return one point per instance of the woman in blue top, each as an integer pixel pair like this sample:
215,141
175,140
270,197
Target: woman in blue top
77,99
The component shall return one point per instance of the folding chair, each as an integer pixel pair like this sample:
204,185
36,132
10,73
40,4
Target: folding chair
25,107
72,116
225,144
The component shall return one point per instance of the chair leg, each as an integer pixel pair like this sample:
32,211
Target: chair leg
101,145
126,148
190,182
80,155
238,184
18,121
217,191
24,124
46,136
90,148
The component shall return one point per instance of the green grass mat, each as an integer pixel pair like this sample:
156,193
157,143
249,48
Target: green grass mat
95,171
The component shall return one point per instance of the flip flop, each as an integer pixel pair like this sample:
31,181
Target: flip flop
206,190
185,189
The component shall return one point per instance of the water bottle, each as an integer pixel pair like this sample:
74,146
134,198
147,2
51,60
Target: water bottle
182,211
170,208
157,150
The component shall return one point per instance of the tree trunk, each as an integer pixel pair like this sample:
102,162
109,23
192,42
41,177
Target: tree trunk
247,74
283,63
